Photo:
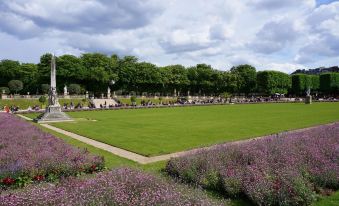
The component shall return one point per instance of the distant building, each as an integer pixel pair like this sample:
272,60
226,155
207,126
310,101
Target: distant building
317,70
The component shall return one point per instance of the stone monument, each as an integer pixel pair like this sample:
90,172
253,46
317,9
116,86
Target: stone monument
308,99
108,93
65,90
66,95
53,112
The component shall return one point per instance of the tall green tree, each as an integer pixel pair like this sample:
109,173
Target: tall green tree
246,76
271,82
329,83
98,72
303,82
174,77
9,70
127,73
29,75
148,78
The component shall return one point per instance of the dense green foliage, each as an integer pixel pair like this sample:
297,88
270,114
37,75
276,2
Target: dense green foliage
74,89
166,130
15,86
329,83
301,82
271,82
93,72
4,90
245,78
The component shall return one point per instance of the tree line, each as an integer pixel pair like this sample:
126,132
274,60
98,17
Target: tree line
94,72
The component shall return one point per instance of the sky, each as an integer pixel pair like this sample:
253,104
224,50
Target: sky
268,34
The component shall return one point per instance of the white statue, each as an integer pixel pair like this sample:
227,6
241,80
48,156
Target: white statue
108,92
308,92
65,90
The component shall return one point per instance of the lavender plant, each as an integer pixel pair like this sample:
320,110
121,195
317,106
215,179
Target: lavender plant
117,187
286,169
29,154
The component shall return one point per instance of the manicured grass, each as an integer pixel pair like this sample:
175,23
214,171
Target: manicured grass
25,103
111,161
153,100
160,131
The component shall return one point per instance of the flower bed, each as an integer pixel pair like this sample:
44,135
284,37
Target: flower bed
27,154
118,187
288,169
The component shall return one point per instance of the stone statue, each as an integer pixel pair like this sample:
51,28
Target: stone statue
108,92
65,90
308,92
53,112
308,99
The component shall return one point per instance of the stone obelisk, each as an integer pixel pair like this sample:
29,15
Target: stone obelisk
53,111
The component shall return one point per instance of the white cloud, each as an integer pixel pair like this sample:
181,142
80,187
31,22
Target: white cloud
323,34
270,34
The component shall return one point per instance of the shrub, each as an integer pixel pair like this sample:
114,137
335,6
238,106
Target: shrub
42,99
74,89
6,89
15,85
133,100
28,154
45,88
283,169
117,187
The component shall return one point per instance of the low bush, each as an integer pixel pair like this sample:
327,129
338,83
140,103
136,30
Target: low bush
117,187
286,169
27,154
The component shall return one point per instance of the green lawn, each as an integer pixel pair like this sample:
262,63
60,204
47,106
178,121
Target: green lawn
154,101
159,131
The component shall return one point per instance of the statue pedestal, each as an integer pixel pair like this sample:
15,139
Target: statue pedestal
67,96
308,99
52,114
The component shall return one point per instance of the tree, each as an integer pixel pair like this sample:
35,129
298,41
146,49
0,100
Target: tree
174,77
301,82
201,78
74,89
9,69
45,88
44,68
70,69
246,76
147,77
29,76
271,82
127,73
98,71
329,83
15,86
